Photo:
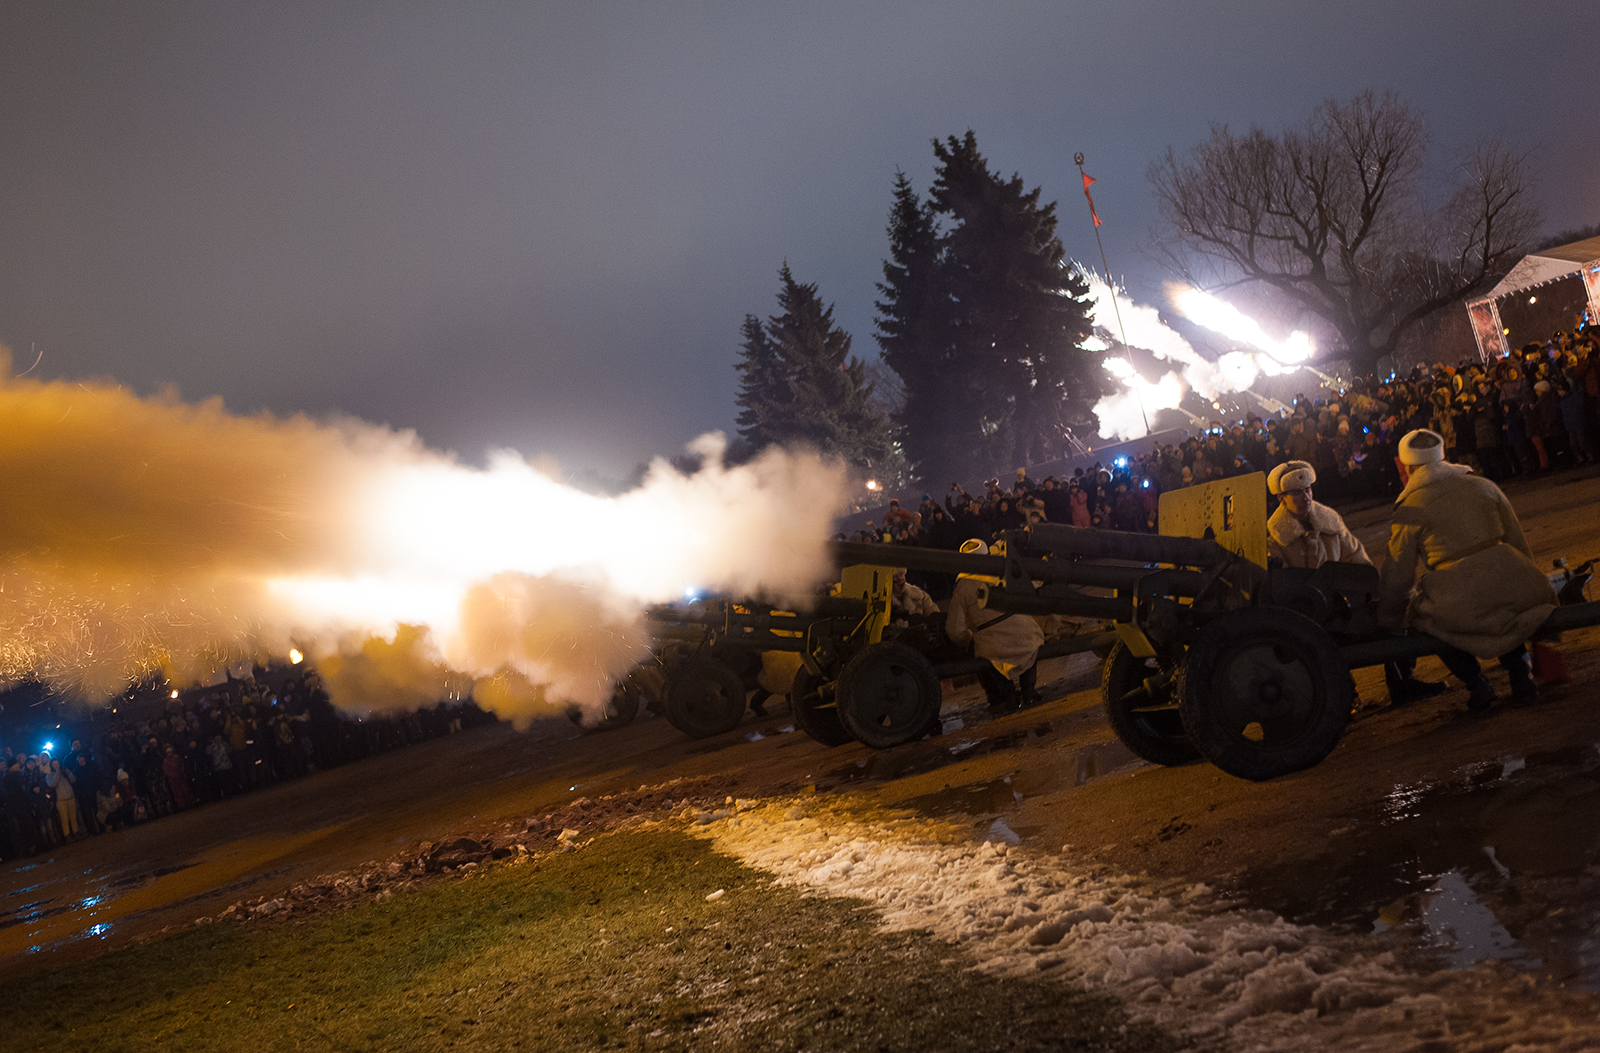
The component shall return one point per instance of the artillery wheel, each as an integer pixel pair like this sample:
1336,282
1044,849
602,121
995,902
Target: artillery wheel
623,705
705,698
1149,725
888,695
811,699
619,710
1265,692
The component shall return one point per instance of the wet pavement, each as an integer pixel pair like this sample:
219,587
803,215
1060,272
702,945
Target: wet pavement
107,890
1501,862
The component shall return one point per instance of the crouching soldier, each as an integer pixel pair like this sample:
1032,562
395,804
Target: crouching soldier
1010,642
909,598
1460,569
1304,533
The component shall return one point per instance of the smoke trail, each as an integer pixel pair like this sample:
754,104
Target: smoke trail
1123,413
145,533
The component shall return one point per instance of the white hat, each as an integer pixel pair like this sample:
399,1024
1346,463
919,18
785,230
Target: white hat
1421,447
974,546
1291,475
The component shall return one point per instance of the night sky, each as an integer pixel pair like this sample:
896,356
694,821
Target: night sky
539,225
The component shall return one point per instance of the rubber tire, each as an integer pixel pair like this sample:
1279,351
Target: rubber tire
1264,646
623,706
1157,737
889,695
816,718
705,698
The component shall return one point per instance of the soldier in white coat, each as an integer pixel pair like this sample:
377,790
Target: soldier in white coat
1010,642
1302,532
909,598
1305,533
1460,569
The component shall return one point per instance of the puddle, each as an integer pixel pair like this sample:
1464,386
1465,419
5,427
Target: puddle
977,798
85,905
1103,758
1501,862
1458,923
990,796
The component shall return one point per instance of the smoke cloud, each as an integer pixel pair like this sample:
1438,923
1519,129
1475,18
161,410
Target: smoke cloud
139,534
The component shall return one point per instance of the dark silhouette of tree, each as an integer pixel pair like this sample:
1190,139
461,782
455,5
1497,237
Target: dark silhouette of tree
764,395
1332,215
982,320
801,386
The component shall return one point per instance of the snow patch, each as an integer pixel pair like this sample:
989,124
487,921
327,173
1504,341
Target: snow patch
1183,960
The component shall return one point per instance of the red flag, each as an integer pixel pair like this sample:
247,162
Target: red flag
1087,179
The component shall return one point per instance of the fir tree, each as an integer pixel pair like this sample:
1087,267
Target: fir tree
764,396
982,321
915,339
801,385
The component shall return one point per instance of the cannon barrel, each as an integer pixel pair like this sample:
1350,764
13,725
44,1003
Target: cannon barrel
1115,608
1415,645
943,561
1061,541
825,607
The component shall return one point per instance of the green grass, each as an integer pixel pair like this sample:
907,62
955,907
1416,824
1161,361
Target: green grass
572,953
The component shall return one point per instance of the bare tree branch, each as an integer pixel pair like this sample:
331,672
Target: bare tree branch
1331,215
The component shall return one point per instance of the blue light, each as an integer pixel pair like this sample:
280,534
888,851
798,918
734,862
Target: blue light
48,746
1145,483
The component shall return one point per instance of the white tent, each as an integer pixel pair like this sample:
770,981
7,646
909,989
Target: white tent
1534,269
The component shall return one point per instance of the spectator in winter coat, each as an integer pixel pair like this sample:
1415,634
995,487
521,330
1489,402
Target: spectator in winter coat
1572,414
1523,456
1078,502
1006,516
1302,445
1128,513
220,754
86,783
108,808
1545,430
60,781
1057,504
177,779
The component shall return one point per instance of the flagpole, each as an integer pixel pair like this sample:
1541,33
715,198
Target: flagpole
1111,286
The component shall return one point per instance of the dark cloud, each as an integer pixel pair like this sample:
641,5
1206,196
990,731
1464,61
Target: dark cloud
539,225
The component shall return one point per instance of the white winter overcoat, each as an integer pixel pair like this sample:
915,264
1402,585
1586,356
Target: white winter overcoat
1326,540
1010,642
1459,567
914,601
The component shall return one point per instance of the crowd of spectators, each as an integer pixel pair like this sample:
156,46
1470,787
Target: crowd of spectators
191,749
1531,412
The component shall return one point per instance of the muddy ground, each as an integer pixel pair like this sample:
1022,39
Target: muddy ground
1413,807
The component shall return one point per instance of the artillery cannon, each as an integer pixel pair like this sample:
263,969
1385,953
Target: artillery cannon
864,673
1216,654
